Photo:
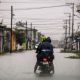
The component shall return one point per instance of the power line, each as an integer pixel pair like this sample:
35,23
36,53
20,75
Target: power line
54,33
47,24
34,8
40,18
40,7
42,24
51,28
77,16
28,2
4,9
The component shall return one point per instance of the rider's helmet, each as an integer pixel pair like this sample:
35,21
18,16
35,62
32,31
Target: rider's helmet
43,38
48,39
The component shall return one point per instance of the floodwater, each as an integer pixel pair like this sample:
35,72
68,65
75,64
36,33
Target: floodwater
20,65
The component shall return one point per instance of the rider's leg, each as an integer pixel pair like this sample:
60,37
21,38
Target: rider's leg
52,66
36,65
51,63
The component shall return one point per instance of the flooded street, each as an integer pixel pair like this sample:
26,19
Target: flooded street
19,66
26,25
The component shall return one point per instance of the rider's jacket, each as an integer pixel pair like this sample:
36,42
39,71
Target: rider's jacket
45,46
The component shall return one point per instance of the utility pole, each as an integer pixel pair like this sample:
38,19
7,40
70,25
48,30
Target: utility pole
31,31
66,34
69,24
72,38
26,36
11,29
65,27
34,37
69,32
31,37
72,24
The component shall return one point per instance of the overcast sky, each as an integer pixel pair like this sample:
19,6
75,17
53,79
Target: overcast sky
49,21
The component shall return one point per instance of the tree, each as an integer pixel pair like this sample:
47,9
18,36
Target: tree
20,37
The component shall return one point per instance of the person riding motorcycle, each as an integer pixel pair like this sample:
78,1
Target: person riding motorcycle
45,45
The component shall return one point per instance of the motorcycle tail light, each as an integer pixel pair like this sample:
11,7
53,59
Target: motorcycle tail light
45,59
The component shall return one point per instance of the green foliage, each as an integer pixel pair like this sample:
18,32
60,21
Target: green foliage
20,37
77,34
76,56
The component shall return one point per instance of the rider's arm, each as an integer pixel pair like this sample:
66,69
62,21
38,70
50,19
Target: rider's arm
38,48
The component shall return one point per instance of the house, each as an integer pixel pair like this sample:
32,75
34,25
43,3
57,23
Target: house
2,28
7,41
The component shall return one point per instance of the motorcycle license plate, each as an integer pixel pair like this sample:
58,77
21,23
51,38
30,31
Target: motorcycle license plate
45,62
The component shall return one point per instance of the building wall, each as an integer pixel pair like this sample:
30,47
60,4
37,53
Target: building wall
7,41
13,42
0,41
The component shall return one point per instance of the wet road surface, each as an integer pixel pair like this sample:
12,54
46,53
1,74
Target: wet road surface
20,65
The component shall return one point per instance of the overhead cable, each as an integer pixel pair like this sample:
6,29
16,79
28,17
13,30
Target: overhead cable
34,8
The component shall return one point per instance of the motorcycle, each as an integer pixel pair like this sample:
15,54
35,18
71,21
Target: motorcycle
45,66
